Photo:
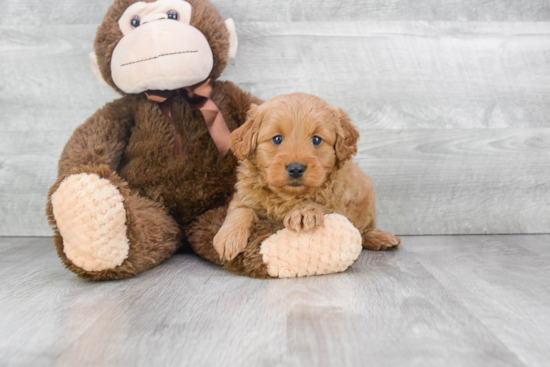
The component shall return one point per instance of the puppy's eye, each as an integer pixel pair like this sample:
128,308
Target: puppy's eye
317,140
172,14
277,140
135,22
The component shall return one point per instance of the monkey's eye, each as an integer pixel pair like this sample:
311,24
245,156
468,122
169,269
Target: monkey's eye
136,21
277,140
317,140
172,14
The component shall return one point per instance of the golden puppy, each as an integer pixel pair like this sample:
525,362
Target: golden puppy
296,167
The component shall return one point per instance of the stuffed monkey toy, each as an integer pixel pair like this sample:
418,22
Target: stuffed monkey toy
151,172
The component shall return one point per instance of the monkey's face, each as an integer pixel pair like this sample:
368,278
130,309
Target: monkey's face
161,45
159,50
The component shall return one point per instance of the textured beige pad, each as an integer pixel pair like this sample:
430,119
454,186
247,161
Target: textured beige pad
330,248
91,218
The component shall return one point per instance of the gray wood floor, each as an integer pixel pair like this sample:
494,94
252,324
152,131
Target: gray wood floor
437,301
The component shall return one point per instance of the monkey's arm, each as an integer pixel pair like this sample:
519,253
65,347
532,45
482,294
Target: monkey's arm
239,101
101,140
233,236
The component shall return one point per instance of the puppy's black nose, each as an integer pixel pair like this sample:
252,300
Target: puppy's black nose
295,170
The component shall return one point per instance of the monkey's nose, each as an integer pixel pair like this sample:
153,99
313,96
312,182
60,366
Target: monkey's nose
295,169
152,17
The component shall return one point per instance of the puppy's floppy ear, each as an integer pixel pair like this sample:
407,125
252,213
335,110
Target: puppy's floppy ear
243,139
346,136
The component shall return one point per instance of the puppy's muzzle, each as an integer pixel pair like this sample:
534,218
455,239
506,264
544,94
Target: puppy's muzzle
295,169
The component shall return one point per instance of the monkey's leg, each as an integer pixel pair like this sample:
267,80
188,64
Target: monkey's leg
202,231
276,252
249,262
103,230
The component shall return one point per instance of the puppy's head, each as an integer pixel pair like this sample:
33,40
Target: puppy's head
296,140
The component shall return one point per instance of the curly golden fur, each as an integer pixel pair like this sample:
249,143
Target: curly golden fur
329,181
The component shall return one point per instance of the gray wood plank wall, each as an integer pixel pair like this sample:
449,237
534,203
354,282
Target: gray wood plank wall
452,99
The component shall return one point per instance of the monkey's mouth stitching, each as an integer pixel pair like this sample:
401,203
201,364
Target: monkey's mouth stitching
156,57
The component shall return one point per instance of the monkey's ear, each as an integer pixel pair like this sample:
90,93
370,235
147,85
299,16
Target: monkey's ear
233,41
95,69
346,136
243,140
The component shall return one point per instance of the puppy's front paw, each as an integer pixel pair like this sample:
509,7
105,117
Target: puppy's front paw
229,242
304,219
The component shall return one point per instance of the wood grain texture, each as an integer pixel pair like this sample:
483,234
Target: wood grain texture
20,12
406,75
502,280
427,181
387,75
453,301
48,75
454,116
467,181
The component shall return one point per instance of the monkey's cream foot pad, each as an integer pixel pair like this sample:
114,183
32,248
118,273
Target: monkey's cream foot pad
330,248
91,218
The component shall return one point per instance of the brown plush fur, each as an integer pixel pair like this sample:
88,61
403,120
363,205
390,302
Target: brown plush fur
331,181
130,142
